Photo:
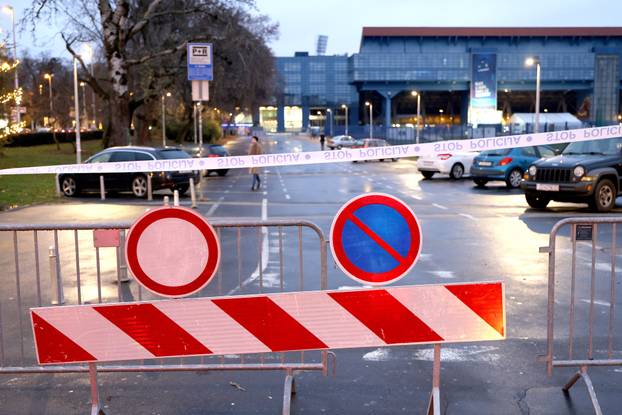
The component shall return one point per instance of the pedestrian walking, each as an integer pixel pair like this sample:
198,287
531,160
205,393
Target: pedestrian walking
322,141
254,151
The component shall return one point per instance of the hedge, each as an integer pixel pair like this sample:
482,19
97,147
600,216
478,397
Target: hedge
35,139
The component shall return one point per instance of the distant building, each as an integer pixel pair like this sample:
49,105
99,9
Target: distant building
464,76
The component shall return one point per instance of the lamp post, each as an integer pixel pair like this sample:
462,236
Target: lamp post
319,121
530,62
345,107
87,57
330,112
418,95
77,110
168,94
371,120
86,114
49,77
11,11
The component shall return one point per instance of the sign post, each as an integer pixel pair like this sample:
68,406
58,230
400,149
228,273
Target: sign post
200,72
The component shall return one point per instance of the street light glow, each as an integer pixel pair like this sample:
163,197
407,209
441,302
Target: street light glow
530,61
8,9
87,53
344,106
168,94
48,76
414,93
367,104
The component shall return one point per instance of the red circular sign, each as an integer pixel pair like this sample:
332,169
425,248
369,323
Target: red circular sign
375,238
172,251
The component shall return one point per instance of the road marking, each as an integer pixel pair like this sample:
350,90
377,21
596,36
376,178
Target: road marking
466,215
416,197
440,206
265,251
211,210
265,193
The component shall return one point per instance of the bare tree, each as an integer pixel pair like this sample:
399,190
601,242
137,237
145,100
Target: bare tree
143,43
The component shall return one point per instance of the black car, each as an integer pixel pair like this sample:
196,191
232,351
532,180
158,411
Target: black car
73,184
585,172
214,150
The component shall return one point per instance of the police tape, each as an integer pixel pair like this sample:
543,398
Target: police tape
330,156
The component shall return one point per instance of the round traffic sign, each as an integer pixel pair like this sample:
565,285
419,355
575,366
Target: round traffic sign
172,251
375,238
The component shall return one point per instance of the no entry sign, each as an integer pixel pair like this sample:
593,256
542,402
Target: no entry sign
375,238
172,251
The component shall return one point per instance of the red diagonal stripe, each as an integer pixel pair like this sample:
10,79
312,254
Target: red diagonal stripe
377,239
486,300
270,324
54,347
383,314
153,330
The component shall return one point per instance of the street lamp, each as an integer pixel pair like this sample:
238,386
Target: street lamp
345,107
49,79
87,57
330,112
76,101
168,94
319,120
418,95
86,114
371,120
11,11
530,62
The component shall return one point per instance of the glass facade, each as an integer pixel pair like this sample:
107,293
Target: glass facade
577,68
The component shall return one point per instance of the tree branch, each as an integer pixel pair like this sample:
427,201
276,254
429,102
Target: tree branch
90,79
170,51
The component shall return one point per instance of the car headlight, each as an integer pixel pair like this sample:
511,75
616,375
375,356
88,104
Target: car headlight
579,171
532,170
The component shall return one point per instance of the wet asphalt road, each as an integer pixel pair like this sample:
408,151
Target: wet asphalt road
469,234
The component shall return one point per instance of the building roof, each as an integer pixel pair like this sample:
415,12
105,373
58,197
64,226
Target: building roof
490,31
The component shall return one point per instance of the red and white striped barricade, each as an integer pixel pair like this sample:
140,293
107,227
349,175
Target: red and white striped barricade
315,320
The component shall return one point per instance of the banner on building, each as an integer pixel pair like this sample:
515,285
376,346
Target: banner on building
484,81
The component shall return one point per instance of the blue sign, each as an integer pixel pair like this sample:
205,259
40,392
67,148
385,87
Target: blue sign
200,58
375,238
484,81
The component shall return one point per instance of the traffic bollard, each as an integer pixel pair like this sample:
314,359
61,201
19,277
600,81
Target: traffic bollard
102,188
56,286
122,269
149,188
165,200
193,194
175,198
58,192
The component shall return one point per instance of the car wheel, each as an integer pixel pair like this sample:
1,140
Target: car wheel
139,185
514,178
181,189
457,171
480,182
537,202
222,173
427,174
338,147
604,196
69,186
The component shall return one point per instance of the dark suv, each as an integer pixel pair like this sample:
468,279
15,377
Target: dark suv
585,172
73,184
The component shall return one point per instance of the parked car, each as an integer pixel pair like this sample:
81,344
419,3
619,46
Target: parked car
340,141
372,142
506,165
73,184
585,172
214,150
456,164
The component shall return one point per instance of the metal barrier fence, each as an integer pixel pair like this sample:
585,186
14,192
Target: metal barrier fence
585,335
79,273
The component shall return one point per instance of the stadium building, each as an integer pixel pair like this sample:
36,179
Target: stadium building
454,76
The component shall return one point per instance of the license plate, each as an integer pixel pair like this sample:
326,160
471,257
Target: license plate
185,172
428,163
547,187
485,163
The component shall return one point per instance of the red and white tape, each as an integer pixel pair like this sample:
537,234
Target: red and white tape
336,156
270,323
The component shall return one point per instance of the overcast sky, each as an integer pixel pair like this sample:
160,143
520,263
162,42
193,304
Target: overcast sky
301,21
342,20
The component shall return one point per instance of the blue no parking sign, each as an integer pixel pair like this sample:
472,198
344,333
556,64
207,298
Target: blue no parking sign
375,238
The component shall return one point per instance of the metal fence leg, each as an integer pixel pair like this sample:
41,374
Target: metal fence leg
434,405
193,193
149,188
582,373
288,392
102,188
95,407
